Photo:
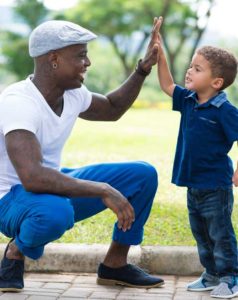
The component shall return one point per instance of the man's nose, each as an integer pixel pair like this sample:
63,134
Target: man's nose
87,62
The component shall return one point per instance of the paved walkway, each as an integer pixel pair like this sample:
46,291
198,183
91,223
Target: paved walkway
70,286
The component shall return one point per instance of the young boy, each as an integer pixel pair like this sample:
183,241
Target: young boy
208,128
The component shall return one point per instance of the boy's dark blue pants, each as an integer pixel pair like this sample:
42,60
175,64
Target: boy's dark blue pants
37,219
210,219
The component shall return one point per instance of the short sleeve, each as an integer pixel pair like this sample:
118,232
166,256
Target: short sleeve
85,98
179,96
16,113
229,120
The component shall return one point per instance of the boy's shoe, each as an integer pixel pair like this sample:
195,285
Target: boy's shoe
206,282
11,274
129,275
226,290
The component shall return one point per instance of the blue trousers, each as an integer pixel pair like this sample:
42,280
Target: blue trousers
37,219
210,219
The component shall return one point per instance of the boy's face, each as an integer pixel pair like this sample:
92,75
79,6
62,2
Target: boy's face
199,77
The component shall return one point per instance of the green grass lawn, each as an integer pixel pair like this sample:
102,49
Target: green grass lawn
148,135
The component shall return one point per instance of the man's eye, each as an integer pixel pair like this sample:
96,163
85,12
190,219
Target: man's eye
82,55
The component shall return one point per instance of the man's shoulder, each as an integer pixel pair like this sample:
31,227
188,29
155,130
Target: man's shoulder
79,99
16,92
14,87
82,91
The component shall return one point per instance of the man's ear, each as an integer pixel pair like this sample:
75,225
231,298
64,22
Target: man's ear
217,83
53,57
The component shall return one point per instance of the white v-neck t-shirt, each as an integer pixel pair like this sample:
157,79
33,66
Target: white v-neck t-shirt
22,106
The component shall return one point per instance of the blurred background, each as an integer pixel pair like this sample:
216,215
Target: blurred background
123,27
147,131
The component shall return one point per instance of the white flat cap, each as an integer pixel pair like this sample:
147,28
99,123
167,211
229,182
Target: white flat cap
56,34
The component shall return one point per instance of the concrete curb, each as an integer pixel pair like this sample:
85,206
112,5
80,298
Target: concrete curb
170,260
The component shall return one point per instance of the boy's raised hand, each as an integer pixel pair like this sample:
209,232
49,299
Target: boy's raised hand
155,34
151,55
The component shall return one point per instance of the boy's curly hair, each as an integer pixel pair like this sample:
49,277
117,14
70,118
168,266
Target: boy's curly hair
223,63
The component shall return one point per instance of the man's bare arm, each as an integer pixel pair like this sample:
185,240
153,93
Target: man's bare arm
112,106
25,154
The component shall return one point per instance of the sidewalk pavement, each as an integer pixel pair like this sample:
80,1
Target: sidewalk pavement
68,271
72,286
79,258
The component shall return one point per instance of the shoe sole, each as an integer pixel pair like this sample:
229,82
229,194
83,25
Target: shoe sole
209,288
10,290
225,297
102,281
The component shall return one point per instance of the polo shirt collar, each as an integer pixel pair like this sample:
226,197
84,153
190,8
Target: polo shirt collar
216,101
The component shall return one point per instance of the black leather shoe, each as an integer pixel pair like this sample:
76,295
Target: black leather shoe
11,274
128,275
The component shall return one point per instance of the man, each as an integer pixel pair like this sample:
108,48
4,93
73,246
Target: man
39,202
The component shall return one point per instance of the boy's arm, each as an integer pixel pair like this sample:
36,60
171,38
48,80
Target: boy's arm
165,78
235,175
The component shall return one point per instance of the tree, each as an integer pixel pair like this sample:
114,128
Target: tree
15,45
127,25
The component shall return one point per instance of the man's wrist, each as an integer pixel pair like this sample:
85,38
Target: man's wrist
140,70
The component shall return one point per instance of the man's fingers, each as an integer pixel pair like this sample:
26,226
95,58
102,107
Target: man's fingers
122,208
155,49
120,219
127,224
159,23
126,217
129,218
156,26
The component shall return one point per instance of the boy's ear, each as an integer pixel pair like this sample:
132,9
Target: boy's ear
217,83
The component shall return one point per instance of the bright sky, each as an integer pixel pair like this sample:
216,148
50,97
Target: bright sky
223,18
51,4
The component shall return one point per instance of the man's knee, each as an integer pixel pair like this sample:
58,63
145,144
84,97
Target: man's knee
47,226
59,221
57,226
147,172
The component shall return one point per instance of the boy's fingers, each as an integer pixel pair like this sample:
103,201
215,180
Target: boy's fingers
158,24
156,27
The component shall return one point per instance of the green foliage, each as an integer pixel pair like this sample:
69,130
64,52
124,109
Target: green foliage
19,62
15,45
114,17
140,135
127,26
118,21
232,91
167,225
32,12
103,76
106,73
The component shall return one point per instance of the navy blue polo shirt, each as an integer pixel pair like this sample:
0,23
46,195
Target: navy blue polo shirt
206,134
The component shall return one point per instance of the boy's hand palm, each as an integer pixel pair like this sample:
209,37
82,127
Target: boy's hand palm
235,178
